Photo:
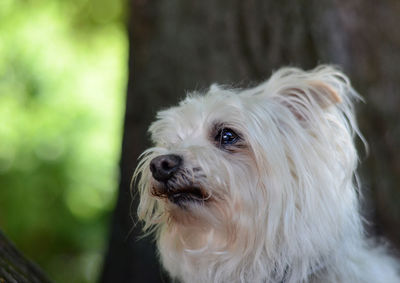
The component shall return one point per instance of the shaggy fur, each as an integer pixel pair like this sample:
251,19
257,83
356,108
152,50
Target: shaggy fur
279,204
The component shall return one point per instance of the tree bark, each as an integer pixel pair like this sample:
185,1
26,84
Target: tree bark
15,268
179,45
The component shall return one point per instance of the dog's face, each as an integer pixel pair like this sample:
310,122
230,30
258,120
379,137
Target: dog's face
203,169
250,170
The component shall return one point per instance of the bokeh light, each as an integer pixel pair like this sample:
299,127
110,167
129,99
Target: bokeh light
63,67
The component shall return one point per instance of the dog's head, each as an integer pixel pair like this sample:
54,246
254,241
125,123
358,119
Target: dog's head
241,170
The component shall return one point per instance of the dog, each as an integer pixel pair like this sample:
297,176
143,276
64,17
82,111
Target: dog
260,185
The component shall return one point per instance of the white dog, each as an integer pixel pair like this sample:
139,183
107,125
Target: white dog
259,185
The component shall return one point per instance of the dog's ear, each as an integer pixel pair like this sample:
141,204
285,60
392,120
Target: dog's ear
324,94
310,92
314,91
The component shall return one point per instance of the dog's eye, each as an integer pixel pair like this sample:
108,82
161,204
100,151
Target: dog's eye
226,136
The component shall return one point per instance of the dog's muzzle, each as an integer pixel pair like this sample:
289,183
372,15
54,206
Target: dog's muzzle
173,182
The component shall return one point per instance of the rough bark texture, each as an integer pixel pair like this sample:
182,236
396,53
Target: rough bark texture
14,268
180,45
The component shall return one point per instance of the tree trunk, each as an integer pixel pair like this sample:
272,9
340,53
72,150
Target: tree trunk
179,45
14,268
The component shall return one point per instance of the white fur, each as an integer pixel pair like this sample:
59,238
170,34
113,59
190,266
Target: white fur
281,208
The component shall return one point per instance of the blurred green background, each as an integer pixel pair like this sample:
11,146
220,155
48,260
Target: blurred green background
62,88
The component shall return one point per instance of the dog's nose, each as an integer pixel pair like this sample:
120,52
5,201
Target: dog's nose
163,167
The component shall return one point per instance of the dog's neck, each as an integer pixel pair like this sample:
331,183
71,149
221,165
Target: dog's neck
312,274
201,250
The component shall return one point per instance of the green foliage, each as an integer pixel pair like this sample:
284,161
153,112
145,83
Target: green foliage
62,84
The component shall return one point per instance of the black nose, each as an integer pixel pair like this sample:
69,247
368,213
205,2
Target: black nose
163,167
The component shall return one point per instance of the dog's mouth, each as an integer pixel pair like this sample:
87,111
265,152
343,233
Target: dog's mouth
180,196
192,194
